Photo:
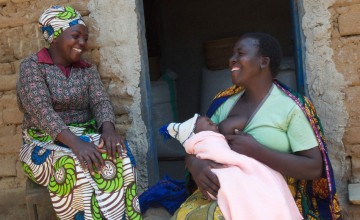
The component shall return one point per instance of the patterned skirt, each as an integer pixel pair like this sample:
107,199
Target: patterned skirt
75,194
197,207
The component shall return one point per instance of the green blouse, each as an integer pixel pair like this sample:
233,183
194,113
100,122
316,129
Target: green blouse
278,123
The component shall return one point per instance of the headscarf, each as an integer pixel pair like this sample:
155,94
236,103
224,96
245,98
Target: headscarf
57,19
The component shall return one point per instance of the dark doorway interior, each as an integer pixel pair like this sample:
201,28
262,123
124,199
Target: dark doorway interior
177,33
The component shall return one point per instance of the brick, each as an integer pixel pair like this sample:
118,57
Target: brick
6,69
3,2
81,6
120,106
352,102
18,129
355,168
32,31
10,140
14,34
95,55
353,149
10,144
14,197
19,1
9,212
13,182
7,130
7,164
121,129
16,66
8,82
354,120
92,56
8,10
8,101
1,119
347,60
349,22
86,55
6,54
12,116
351,135
3,36
6,22
25,47
93,42
21,176
41,6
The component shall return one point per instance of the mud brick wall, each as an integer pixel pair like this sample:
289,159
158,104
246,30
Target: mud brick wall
332,37
345,43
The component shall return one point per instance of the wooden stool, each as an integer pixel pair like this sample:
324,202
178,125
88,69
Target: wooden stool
37,195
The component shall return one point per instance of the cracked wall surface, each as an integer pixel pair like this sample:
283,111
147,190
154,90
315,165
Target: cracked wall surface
332,69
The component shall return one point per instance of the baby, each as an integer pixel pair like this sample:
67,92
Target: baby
248,188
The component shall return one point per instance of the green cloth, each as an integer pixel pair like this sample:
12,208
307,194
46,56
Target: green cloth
279,123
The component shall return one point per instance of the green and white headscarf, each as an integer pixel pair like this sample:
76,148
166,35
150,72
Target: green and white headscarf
57,19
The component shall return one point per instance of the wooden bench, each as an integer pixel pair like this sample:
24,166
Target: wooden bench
38,202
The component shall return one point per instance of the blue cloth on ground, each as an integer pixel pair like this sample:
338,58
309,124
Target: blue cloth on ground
167,192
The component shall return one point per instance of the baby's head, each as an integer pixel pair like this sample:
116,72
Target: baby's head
183,131
180,131
204,123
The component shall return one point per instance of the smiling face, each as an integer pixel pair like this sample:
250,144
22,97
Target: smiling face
68,47
205,124
245,63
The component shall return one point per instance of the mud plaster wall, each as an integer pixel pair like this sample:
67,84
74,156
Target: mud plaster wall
113,48
120,61
333,81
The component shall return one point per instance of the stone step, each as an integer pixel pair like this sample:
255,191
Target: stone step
354,193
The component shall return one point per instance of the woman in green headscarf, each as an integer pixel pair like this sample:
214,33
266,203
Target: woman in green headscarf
69,140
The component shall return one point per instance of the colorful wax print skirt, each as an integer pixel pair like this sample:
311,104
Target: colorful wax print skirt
197,207
75,194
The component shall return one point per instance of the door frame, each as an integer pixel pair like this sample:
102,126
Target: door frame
297,12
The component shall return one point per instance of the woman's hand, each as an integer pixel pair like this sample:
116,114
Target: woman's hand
243,143
204,178
88,156
113,142
86,152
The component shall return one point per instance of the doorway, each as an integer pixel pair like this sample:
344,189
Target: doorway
179,36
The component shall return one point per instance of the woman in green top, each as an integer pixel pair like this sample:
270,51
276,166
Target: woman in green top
281,131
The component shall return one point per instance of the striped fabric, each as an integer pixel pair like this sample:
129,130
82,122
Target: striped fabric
73,191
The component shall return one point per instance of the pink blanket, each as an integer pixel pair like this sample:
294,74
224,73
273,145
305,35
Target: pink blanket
248,188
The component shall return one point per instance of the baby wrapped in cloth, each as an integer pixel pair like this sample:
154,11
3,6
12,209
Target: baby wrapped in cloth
248,188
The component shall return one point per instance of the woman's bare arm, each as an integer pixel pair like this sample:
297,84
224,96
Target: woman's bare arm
201,173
